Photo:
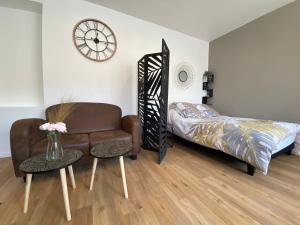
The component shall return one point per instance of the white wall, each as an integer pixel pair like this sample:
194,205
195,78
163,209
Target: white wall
68,74
20,58
21,85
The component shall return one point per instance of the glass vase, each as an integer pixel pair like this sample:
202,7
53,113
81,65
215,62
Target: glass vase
54,148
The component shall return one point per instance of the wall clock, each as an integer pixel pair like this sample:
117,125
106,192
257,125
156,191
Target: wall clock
94,40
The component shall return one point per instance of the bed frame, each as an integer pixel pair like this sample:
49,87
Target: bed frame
287,150
250,169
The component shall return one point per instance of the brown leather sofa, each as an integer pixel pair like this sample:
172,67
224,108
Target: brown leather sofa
88,124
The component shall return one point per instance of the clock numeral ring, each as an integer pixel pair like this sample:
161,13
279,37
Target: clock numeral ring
94,40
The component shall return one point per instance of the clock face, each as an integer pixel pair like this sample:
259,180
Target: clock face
94,40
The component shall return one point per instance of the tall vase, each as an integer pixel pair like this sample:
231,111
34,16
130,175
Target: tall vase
54,149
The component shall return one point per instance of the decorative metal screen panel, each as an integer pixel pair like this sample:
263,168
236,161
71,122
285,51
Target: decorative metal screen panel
153,82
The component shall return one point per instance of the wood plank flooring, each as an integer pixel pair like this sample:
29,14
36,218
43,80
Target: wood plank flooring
192,186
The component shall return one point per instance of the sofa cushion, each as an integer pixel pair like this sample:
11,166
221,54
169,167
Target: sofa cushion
69,141
99,137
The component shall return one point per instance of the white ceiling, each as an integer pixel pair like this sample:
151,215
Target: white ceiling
203,19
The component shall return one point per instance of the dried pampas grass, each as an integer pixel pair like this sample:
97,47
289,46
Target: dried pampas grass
60,113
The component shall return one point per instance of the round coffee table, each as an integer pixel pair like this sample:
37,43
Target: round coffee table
111,149
39,164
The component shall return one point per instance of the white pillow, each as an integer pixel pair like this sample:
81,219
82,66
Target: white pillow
200,107
180,106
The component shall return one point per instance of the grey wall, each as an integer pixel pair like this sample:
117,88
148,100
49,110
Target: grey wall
257,67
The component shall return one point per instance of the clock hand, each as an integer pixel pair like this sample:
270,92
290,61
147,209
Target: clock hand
91,39
107,42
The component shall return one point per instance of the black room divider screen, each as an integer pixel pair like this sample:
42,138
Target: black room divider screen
153,83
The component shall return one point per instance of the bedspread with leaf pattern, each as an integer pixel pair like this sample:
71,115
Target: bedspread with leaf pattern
249,140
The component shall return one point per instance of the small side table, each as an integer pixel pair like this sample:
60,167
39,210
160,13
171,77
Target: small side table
39,164
111,149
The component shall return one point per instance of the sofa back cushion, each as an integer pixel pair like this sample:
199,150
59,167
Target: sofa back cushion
85,117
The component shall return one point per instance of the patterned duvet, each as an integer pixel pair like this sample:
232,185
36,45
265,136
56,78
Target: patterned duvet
249,140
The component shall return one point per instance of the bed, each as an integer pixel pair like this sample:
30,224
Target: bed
252,141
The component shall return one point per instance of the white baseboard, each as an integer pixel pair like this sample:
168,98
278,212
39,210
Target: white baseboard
5,154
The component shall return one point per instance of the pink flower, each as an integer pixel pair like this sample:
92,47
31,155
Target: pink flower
52,127
60,127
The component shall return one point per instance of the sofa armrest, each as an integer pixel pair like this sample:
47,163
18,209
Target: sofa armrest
132,125
23,134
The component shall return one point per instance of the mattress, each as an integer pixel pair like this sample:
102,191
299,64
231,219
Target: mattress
284,143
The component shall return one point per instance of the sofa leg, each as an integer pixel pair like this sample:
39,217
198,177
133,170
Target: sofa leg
250,169
133,157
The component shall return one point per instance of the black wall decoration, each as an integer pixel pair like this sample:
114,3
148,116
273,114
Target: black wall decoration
153,83
208,79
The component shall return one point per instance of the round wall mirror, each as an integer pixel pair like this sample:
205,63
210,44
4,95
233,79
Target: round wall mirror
184,75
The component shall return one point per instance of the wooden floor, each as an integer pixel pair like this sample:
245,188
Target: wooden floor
191,186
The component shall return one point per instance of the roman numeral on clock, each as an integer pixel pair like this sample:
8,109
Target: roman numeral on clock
79,38
89,52
105,55
95,25
80,29
82,46
87,25
109,49
97,56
